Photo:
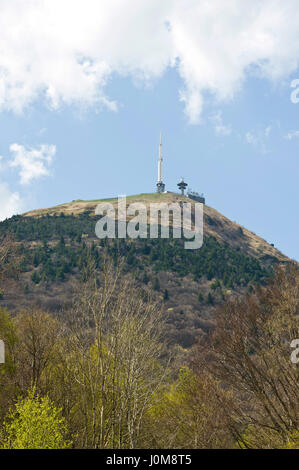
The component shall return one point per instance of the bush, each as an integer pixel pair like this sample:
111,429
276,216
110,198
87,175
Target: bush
34,423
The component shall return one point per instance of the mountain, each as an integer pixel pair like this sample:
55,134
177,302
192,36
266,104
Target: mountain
215,224
54,247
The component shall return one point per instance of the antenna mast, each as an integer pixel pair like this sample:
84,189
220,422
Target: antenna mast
160,184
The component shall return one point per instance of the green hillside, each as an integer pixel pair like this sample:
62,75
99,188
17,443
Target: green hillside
54,248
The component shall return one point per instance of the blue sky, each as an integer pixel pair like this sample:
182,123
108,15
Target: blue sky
235,140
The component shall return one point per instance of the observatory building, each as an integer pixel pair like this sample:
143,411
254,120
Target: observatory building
160,186
182,186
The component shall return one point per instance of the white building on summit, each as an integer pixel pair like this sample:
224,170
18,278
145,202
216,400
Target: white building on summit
160,186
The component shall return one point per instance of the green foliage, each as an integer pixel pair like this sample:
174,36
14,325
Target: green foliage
214,261
248,438
8,369
250,289
9,336
216,285
293,441
35,278
156,284
186,414
34,423
67,253
49,227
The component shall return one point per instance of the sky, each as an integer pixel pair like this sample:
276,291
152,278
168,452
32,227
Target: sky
86,87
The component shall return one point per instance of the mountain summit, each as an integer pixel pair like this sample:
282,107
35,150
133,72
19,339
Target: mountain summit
55,248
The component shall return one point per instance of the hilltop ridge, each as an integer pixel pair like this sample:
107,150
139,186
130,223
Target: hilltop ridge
215,224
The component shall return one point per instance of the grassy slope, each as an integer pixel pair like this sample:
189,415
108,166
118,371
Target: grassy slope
215,224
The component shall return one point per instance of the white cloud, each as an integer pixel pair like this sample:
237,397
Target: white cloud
219,126
259,139
251,138
32,162
292,134
66,51
1,163
10,202
268,131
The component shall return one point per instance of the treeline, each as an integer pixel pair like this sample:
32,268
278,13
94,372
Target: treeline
48,227
213,261
65,244
101,375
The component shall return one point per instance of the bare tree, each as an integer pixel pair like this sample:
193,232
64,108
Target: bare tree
38,337
116,339
187,415
249,352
